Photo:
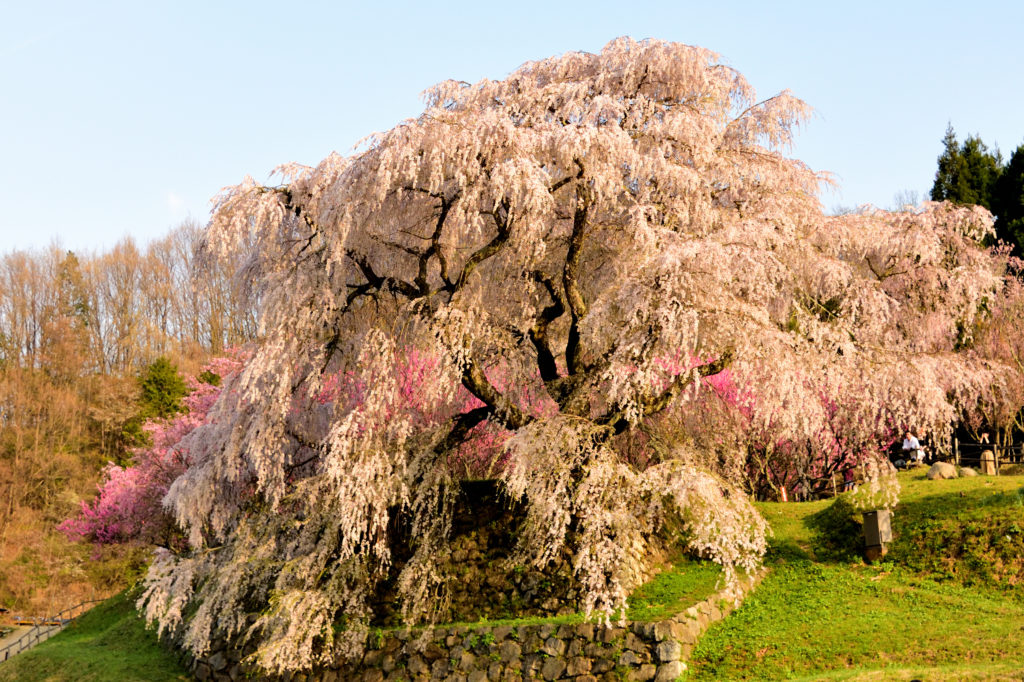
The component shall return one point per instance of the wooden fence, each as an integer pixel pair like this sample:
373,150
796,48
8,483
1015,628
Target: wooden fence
969,454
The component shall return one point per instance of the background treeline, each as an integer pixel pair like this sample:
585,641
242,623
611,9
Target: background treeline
84,337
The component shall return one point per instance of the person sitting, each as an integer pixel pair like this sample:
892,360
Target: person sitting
912,448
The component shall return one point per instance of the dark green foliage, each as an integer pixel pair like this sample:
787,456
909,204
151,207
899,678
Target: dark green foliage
208,377
1008,201
162,389
967,172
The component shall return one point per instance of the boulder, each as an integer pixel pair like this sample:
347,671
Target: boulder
941,470
668,672
967,472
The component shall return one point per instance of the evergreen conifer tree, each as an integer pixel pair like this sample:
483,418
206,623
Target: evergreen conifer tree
1008,200
967,172
162,389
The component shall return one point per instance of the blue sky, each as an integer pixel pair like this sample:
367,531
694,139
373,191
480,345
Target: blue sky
127,118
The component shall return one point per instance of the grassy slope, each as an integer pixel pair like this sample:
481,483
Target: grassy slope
948,603
109,642
673,590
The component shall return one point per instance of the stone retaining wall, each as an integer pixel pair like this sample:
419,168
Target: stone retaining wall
583,652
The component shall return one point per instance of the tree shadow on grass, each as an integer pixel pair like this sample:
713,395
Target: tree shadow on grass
837,534
786,550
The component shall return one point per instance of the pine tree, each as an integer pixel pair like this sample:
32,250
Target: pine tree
967,172
162,390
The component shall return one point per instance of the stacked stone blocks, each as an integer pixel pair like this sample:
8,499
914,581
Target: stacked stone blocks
583,652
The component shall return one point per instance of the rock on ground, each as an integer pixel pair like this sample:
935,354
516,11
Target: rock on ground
941,470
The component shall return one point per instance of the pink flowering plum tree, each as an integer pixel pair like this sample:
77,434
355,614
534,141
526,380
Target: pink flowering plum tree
547,240
128,505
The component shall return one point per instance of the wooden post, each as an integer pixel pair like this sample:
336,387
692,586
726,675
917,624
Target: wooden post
956,450
997,450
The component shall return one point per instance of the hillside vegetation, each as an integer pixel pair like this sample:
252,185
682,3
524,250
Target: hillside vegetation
79,335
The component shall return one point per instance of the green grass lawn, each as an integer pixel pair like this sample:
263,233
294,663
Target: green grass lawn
673,590
107,643
946,604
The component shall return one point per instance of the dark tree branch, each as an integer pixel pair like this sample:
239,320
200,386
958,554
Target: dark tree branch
479,385
434,250
420,190
539,332
502,221
886,272
358,291
306,443
435,240
561,183
401,247
461,425
377,282
570,280
654,404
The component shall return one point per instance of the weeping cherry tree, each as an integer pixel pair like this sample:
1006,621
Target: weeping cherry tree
579,246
